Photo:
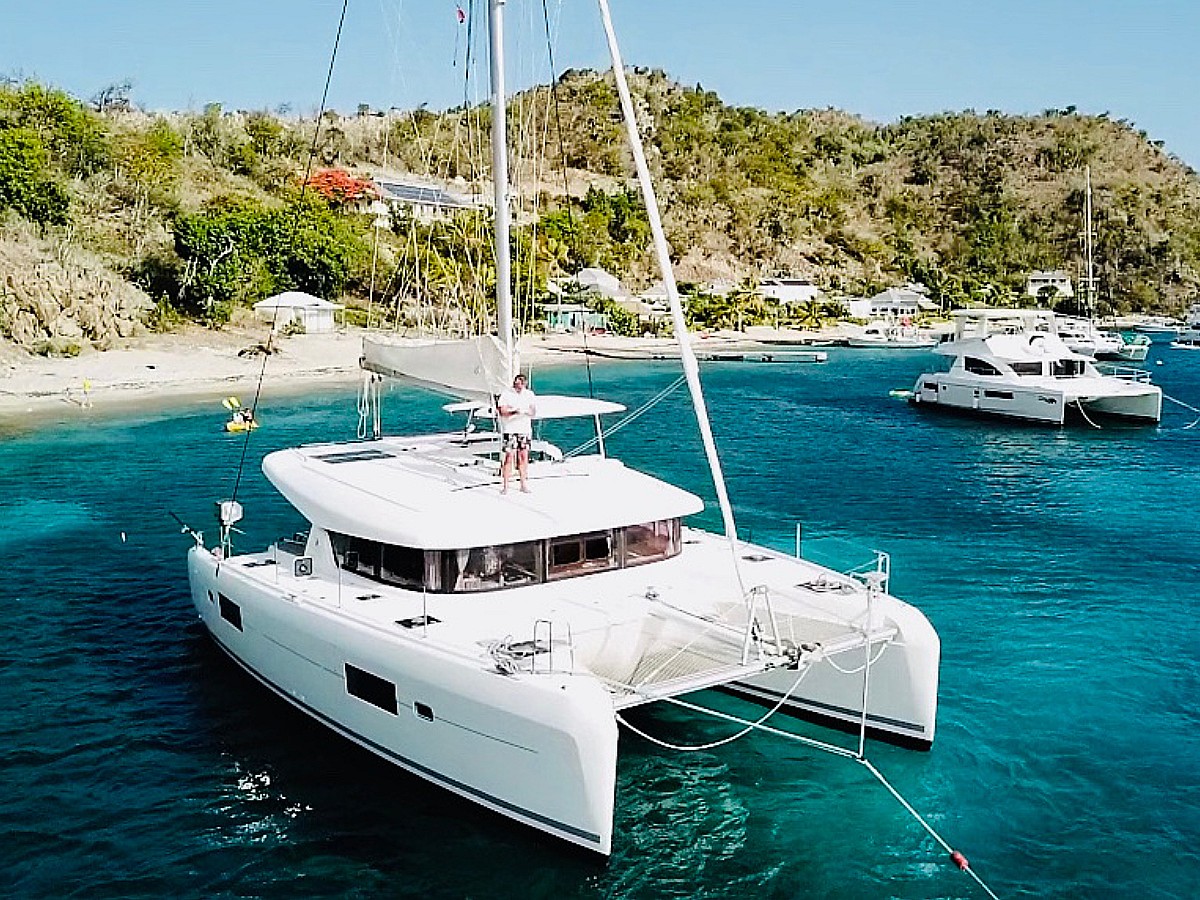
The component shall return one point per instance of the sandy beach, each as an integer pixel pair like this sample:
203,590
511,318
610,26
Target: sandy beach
198,363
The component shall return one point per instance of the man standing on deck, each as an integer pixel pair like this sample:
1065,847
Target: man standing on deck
517,407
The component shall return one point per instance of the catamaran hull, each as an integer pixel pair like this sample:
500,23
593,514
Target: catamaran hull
901,697
1031,404
541,750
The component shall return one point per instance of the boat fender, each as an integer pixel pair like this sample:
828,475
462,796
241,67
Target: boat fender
959,860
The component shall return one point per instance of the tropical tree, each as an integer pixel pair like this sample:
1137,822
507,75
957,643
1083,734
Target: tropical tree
26,183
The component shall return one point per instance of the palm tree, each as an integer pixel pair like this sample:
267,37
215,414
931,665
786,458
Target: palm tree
810,315
745,294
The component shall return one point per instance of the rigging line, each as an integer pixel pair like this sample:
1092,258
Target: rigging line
629,419
662,251
562,150
750,726
312,153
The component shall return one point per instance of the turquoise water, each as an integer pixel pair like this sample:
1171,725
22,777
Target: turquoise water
1059,567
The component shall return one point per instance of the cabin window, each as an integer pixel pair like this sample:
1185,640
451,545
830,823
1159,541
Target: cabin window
371,688
651,541
358,555
403,566
386,563
485,568
1026,368
1067,368
580,553
979,366
507,565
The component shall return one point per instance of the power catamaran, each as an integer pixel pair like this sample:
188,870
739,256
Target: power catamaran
490,644
1012,363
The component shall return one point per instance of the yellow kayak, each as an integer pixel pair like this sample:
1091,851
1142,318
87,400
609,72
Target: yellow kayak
241,426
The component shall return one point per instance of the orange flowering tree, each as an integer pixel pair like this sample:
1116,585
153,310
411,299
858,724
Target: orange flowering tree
340,188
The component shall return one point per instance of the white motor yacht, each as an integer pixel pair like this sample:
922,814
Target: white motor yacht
490,642
1158,327
1012,363
891,336
1189,337
1083,337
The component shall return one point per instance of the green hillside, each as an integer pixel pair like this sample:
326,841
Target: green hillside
144,219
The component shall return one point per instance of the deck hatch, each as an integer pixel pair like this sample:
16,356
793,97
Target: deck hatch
346,456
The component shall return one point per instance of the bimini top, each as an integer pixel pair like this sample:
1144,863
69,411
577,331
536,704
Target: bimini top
549,406
442,492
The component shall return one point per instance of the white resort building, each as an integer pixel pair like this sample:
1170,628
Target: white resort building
786,291
908,301
1057,279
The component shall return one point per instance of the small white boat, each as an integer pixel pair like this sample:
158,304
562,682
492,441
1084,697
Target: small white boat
1158,327
1188,339
1082,336
891,336
1134,348
1012,363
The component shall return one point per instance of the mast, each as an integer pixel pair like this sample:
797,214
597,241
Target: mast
1087,243
504,325
691,369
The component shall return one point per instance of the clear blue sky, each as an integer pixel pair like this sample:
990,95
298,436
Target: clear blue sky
1135,59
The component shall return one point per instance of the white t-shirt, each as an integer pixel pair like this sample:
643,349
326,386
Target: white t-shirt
524,406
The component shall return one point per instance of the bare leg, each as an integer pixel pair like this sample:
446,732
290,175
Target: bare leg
506,471
523,468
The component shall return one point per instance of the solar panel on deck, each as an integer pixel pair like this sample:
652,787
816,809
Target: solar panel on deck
346,456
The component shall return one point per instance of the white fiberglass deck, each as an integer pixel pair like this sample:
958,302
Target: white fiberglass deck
648,632
442,492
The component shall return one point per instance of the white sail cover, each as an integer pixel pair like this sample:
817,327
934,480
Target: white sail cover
476,368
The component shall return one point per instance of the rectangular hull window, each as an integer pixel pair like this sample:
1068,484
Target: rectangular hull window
371,688
231,612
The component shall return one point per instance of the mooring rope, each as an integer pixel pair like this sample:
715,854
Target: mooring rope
1186,406
959,860
1082,412
956,857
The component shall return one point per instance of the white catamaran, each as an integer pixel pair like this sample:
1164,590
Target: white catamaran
489,643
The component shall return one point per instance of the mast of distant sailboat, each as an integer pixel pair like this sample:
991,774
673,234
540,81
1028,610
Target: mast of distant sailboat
1087,243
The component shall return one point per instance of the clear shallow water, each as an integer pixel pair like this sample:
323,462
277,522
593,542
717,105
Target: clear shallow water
1059,567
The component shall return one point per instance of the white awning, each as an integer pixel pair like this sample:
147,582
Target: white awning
549,406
